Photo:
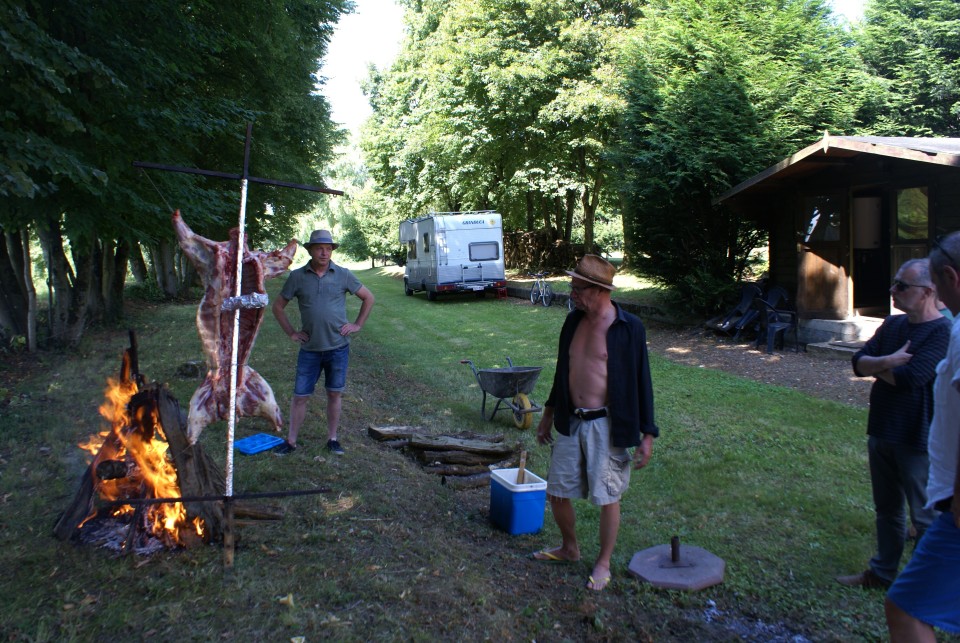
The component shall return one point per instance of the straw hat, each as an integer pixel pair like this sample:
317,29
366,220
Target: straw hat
320,236
596,270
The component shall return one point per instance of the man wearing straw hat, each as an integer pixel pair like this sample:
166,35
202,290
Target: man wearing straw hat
321,288
601,404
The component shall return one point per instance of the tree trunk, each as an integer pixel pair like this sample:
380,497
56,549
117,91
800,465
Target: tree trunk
626,220
61,287
558,216
88,259
590,202
531,211
86,288
569,209
114,278
13,305
164,263
138,267
31,292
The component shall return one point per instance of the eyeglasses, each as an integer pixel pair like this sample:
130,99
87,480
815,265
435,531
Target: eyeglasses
901,286
578,289
936,244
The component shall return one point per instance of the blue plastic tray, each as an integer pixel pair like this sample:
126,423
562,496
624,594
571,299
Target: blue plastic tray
257,443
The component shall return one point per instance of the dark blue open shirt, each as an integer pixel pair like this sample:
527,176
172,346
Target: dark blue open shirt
629,388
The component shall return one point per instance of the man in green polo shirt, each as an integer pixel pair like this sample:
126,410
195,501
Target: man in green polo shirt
321,288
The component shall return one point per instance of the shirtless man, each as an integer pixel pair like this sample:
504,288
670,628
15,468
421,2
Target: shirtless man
601,404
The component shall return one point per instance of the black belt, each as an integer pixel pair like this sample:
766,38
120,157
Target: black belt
943,505
590,414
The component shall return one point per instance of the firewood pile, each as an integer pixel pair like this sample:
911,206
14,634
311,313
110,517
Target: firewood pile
463,460
539,250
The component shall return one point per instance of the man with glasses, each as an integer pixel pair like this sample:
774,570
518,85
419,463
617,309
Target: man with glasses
601,404
902,357
926,594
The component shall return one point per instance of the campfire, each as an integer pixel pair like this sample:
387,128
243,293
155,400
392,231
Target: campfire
146,487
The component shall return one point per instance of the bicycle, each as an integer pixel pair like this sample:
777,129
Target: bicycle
541,290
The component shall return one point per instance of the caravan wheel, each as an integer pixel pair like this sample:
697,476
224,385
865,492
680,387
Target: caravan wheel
431,295
407,290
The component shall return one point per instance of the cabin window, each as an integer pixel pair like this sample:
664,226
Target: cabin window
823,216
411,249
485,251
426,242
913,218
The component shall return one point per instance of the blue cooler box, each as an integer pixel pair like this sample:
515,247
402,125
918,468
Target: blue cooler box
517,508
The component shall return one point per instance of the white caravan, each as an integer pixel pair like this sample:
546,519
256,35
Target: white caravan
451,252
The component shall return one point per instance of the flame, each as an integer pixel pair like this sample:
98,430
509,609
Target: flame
139,441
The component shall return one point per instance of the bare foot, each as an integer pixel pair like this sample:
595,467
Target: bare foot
599,578
558,555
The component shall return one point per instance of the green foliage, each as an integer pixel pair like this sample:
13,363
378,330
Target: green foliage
716,91
913,48
498,104
89,87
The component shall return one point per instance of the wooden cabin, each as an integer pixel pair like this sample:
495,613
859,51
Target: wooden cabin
844,213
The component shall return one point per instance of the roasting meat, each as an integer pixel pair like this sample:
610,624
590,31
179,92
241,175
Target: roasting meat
216,261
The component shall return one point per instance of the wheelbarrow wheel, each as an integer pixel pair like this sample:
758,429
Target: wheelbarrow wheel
522,420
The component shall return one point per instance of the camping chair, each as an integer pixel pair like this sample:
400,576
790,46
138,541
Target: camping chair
730,323
775,322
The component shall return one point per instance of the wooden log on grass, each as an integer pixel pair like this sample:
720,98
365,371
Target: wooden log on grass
437,443
383,433
466,482
455,457
455,469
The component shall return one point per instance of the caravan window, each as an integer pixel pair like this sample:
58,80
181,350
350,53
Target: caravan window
412,249
485,251
426,242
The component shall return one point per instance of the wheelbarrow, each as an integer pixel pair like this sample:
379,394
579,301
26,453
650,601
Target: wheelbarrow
512,387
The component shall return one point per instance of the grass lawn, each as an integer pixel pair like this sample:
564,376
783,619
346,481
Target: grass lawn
772,481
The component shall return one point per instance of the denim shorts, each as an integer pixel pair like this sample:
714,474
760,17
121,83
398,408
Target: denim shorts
928,588
312,364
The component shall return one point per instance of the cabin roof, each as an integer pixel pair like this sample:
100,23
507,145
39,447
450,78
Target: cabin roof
841,149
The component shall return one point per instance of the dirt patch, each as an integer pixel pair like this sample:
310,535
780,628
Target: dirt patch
812,373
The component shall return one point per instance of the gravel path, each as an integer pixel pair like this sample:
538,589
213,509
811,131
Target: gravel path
813,373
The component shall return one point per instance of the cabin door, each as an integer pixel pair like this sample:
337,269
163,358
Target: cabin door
823,289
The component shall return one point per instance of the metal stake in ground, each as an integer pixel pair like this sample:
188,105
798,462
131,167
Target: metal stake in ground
233,303
675,567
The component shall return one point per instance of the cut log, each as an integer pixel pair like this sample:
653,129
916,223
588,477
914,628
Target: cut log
509,463
78,510
471,435
251,513
197,473
455,469
466,482
403,432
382,433
437,443
455,457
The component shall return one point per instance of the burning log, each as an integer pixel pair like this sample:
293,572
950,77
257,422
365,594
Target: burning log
146,455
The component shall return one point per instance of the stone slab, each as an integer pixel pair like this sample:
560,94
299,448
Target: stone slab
696,568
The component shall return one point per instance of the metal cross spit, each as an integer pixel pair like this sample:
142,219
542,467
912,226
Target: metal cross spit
234,305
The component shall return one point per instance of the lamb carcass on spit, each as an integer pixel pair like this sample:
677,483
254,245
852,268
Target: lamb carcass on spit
216,261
